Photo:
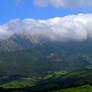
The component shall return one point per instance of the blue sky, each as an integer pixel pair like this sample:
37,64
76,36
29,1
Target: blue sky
11,9
34,16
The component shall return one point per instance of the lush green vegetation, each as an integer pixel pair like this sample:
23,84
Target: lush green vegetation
22,83
49,80
27,81
77,78
84,88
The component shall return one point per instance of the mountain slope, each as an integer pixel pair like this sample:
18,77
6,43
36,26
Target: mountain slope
23,57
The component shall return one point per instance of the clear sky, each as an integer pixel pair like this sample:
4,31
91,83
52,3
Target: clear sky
21,9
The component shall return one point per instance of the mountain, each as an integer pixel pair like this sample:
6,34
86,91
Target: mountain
25,54
20,41
32,60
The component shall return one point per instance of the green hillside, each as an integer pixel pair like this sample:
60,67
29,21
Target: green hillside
28,81
76,78
84,88
66,81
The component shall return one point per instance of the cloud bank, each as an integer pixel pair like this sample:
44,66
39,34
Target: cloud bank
64,3
72,27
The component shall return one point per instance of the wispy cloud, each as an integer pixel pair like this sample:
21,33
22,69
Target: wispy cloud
72,27
64,3
19,2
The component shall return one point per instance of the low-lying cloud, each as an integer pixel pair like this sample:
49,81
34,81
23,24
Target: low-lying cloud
72,27
64,3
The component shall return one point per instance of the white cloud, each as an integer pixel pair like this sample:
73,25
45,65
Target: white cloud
64,3
72,27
